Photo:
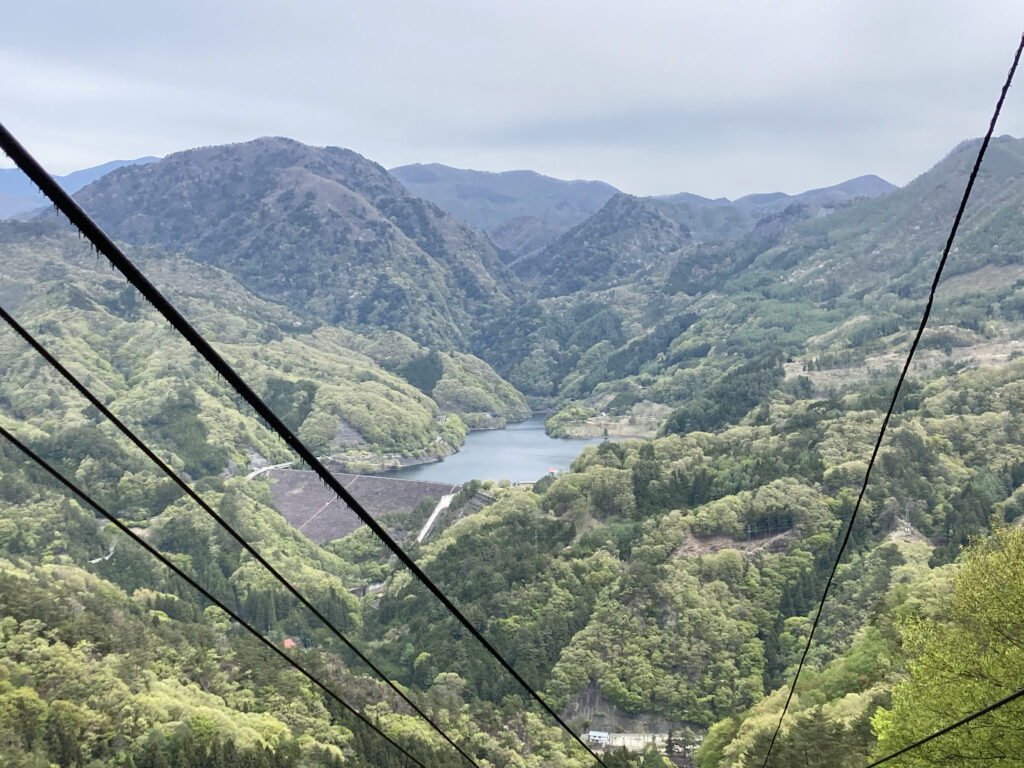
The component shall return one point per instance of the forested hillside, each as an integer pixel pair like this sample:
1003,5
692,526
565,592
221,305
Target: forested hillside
635,235
656,316
317,378
670,582
661,586
322,230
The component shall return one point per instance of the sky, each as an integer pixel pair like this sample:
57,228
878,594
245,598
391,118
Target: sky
656,97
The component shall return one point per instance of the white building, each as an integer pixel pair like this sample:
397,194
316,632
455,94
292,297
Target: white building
599,738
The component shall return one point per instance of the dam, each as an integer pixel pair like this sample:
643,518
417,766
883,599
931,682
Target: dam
313,509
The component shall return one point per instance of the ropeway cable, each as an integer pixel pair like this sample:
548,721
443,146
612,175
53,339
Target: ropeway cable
195,585
899,384
127,432
102,242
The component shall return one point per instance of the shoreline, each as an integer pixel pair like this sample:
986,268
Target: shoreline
539,417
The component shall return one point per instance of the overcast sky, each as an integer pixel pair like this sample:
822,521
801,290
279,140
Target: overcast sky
715,98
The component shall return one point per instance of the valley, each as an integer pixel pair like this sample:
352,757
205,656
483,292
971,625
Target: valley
739,355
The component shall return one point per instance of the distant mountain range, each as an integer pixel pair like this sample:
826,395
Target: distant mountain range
18,195
630,235
522,211
341,241
660,586
773,202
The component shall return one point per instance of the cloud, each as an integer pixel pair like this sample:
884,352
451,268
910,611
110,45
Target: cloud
726,97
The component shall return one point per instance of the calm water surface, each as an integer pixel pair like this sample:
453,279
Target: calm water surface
520,452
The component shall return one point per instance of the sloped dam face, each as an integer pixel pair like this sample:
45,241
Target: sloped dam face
316,512
521,452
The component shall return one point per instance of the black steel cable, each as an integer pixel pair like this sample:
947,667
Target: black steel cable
127,432
899,384
99,239
195,585
942,731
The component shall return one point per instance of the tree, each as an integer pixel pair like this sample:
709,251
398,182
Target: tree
620,758
965,664
652,759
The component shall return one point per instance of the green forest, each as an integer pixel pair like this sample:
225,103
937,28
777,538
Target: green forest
664,584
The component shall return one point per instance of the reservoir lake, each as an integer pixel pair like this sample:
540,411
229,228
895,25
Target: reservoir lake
521,452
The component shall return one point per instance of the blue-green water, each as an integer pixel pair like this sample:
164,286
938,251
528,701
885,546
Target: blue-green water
521,452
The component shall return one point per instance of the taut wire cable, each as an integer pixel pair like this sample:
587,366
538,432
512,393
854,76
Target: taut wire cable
899,385
196,586
102,242
88,395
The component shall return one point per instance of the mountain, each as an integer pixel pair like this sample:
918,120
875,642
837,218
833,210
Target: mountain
623,238
520,210
776,349
641,312
323,230
862,186
891,243
627,239
661,589
773,202
18,195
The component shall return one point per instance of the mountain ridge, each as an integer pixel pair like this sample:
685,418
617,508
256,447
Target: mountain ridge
19,196
520,210
664,584
326,230
584,256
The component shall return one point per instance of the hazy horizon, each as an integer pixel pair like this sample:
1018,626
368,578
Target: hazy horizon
659,99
